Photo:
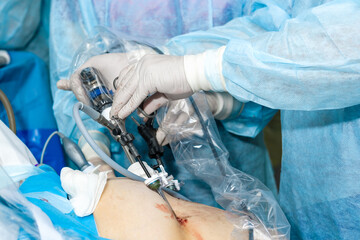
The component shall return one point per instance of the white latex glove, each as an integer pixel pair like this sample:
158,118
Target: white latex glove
222,106
161,76
178,123
109,65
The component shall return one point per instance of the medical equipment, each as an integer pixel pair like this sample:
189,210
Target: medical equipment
101,99
72,150
200,159
96,90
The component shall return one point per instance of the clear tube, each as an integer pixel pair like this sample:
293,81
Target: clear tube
97,149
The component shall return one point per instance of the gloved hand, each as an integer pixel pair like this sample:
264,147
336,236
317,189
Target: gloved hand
161,75
109,65
222,105
178,123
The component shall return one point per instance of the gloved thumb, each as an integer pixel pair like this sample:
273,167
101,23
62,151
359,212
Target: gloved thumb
78,90
161,137
153,103
63,84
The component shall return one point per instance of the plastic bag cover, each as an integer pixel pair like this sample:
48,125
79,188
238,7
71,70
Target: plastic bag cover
196,145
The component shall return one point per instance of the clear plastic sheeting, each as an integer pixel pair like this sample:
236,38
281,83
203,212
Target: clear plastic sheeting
105,41
196,145
19,219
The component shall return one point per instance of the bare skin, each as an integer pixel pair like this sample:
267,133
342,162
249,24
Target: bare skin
129,210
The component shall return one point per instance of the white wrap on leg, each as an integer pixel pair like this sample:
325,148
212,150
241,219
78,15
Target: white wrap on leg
85,189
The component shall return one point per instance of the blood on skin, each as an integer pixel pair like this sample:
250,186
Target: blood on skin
197,235
182,221
162,208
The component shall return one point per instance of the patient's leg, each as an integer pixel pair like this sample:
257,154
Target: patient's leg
129,210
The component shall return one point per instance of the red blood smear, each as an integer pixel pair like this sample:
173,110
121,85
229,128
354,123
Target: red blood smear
162,208
182,221
197,235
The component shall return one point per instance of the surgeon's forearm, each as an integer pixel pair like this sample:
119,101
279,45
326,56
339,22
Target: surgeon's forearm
312,63
251,24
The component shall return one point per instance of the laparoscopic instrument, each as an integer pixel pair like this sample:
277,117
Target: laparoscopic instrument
155,178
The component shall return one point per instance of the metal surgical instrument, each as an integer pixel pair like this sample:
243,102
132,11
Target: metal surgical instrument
101,99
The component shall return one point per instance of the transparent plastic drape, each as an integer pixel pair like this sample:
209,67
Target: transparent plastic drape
196,145
19,219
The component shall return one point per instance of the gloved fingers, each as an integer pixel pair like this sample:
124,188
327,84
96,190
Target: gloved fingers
124,76
64,84
168,129
161,137
153,103
124,93
182,119
187,126
78,89
139,95
171,129
172,113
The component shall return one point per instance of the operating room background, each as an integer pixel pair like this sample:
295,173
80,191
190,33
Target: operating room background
35,126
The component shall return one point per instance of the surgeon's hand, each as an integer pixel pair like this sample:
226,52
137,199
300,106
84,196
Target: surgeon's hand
178,122
222,106
109,65
161,76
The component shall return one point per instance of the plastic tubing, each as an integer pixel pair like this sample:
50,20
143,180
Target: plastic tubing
9,111
46,144
80,106
207,136
94,114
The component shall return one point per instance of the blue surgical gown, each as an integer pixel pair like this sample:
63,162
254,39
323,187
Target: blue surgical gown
153,21
302,57
25,26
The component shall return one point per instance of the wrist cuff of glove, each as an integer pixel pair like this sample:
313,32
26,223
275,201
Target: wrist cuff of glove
223,105
195,74
204,71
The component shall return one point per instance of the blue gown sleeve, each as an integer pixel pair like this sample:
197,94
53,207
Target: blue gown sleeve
311,63
259,18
